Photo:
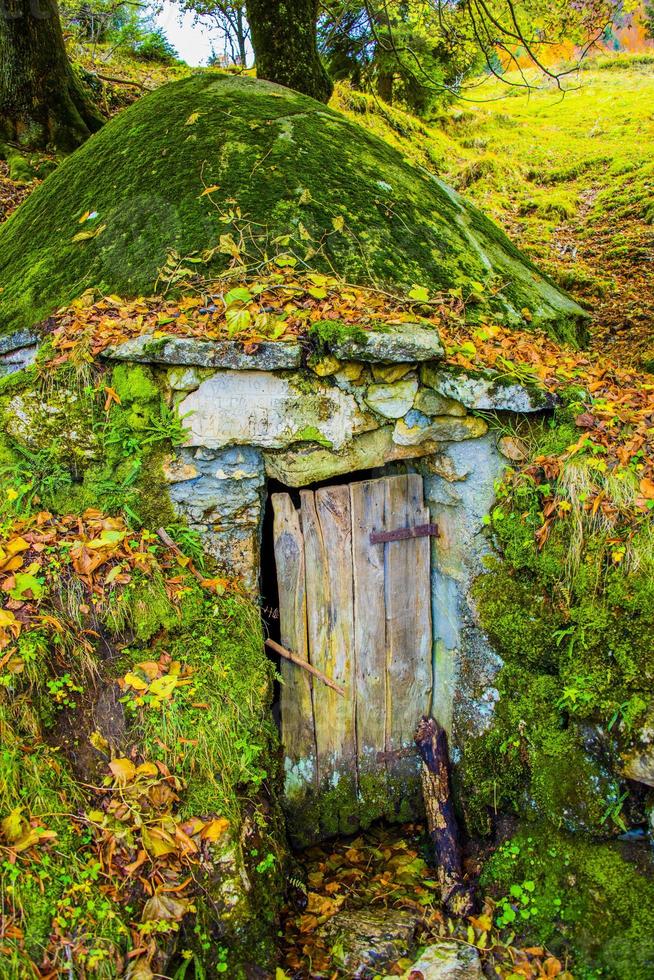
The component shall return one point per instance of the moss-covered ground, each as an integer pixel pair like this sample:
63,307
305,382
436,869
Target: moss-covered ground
221,170
138,759
569,606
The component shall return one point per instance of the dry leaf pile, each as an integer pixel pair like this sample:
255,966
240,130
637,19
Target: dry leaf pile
385,869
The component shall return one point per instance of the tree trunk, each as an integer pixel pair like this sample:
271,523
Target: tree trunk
241,38
42,102
385,86
431,740
285,45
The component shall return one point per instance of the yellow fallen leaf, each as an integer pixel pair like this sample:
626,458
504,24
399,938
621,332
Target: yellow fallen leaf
99,742
14,824
7,618
16,545
163,687
147,769
124,770
133,680
210,190
215,829
157,843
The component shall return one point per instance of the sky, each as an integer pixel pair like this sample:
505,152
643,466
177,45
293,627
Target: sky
192,41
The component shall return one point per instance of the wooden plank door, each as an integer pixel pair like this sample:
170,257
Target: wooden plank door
361,613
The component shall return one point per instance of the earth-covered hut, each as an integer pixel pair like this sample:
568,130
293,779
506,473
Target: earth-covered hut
334,448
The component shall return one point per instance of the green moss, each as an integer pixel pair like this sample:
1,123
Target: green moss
143,174
520,624
590,899
344,806
134,383
325,334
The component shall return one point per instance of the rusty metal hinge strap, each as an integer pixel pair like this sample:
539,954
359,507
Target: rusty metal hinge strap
404,533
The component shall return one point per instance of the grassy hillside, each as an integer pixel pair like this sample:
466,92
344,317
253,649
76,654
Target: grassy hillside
570,177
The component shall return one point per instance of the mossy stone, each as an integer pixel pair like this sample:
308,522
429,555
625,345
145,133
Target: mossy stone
286,162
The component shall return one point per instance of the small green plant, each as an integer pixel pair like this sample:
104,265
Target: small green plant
613,812
266,864
575,695
62,691
35,478
518,904
188,541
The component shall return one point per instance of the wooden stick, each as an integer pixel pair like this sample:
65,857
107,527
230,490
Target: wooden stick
287,655
431,739
168,541
282,651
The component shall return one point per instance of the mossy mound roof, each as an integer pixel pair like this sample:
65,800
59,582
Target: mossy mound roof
288,176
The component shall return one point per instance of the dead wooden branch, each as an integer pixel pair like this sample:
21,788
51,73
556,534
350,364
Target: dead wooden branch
283,652
169,543
431,739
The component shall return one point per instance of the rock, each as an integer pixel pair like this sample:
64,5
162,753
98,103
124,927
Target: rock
390,372
415,428
365,941
487,393
222,501
16,360
186,378
638,761
325,366
446,960
260,409
18,340
513,448
352,372
147,349
392,400
176,470
397,344
302,465
431,403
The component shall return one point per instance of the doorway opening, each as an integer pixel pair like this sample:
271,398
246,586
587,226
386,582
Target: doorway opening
346,583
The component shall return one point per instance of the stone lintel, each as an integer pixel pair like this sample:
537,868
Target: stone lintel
302,465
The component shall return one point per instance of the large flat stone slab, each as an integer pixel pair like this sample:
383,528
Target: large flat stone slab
367,940
301,465
260,409
230,354
398,344
446,960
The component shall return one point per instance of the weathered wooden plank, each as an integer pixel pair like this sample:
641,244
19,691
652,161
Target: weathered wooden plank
408,619
298,731
334,716
367,504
